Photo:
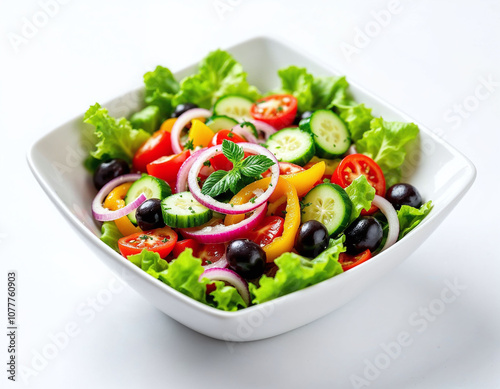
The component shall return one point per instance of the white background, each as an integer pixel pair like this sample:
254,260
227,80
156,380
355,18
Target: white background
429,57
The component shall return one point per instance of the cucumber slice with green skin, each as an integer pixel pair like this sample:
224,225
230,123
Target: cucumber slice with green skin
152,187
292,145
234,106
331,136
181,210
222,122
330,205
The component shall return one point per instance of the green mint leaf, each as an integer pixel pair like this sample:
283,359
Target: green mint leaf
234,178
232,151
255,165
215,184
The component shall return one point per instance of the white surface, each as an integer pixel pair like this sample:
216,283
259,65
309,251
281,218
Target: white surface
428,58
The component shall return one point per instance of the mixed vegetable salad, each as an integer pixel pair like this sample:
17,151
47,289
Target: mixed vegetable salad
236,198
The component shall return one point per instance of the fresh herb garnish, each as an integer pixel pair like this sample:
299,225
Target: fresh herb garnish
189,145
207,163
220,181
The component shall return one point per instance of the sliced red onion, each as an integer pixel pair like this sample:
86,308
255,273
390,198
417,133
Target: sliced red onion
221,263
182,121
231,209
352,150
221,233
231,277
182,175
267,129
102,214
392,218
245,132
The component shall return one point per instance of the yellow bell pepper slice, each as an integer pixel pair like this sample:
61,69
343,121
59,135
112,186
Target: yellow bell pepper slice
167,125
285,242
304,181
200,134
330,164
115,200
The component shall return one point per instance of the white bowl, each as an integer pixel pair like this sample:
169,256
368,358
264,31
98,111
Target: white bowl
441,174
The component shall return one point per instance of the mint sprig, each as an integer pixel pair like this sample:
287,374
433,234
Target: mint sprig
243,169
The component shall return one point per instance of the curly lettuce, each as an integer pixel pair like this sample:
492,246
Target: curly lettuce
361,194
410,217
296,272
110,235
160,89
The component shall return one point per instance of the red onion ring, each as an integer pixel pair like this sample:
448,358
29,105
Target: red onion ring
182,175
102,214
231,277
221,233
245,132
231,209
181,122
221,263
392,218
267,129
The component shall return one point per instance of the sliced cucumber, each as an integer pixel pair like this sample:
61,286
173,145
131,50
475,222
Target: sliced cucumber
328,204
181,210
291,145
234,106
331,136
152,187
222,122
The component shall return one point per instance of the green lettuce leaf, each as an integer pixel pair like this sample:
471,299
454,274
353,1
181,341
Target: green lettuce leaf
329,92
110,235
385,142
183,274
116,137
160,89
357,119
148,119
361,194
410,217
219,74
297,82
296,272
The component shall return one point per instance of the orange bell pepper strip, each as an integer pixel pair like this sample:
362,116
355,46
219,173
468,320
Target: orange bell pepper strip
285,242
115,200
304,181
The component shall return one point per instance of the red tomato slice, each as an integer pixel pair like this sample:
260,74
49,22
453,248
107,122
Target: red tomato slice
349,261
160,240
155,147
220,162
285,169
210,252
268,229
167,168
276,110
354,165
182,245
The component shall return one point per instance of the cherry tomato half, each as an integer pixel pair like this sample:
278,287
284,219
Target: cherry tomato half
354,165
269,228
220,162
286,168
349,261
276,110
160,240
157,146
167,168
210,252
182,245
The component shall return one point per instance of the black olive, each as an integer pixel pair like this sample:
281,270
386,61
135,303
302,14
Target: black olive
364,233
312,239
403,194
246,258
109,170
149,215
181,108
301,116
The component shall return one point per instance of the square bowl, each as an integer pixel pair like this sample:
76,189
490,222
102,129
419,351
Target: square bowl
441,173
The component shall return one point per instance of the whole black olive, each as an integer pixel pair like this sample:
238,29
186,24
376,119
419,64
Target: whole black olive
303,115
364,233
312,239
109,170
149,215
181,108
246,258
403,194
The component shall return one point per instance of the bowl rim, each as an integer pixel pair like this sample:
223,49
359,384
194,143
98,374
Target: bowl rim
93,239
